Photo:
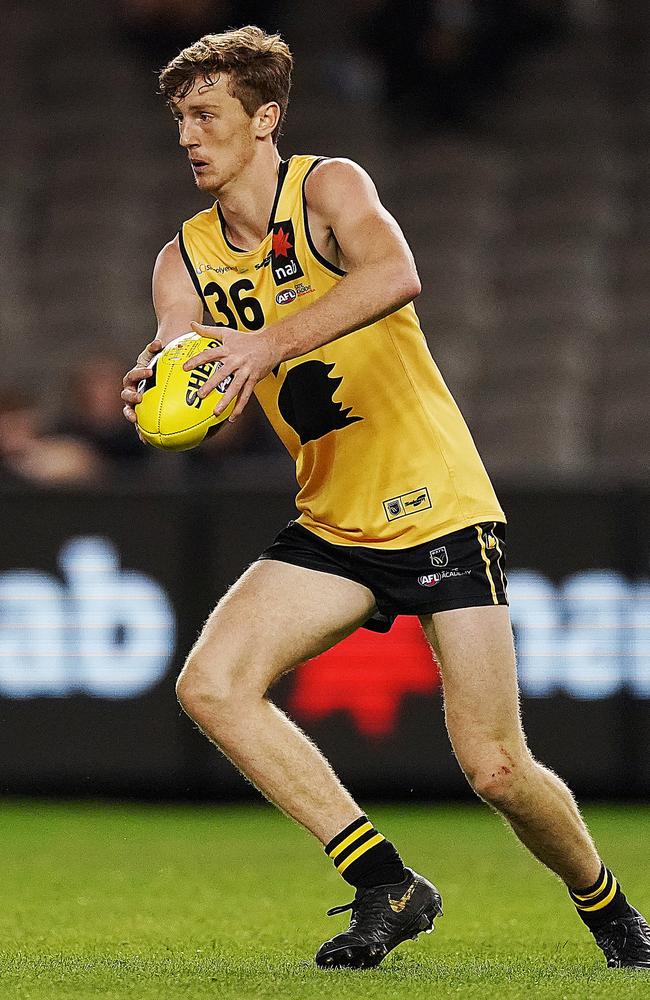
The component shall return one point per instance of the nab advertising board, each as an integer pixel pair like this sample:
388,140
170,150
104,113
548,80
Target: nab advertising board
102,596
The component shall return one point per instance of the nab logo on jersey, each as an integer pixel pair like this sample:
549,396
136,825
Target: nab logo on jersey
284,262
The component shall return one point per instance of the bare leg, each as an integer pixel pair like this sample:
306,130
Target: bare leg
275,617
475,649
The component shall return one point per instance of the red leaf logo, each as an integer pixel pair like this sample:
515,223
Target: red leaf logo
367,675
281,245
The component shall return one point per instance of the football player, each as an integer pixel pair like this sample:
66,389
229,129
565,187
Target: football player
311,284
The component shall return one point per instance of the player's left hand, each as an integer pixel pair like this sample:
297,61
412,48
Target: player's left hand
248,357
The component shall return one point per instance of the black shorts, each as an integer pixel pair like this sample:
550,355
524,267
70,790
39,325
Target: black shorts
465,569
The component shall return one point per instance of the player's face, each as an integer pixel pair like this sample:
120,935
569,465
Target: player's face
216,132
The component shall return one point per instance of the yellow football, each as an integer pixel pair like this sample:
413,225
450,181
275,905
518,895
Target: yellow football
172,415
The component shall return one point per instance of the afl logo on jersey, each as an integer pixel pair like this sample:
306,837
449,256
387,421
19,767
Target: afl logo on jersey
284,262
288,295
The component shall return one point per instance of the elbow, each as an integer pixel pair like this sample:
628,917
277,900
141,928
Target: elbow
416,286
408,288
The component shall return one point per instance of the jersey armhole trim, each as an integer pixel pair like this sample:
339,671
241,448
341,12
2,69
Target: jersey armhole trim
190,269
323,261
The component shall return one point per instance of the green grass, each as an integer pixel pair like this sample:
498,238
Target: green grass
116,901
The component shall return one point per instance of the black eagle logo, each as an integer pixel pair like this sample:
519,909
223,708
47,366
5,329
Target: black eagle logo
306,401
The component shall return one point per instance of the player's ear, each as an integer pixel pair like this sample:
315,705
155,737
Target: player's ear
266,118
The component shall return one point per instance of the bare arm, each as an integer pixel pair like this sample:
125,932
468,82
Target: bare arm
177,305
175,299
381,277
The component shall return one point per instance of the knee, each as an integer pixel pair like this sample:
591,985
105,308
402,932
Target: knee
497,773
210,690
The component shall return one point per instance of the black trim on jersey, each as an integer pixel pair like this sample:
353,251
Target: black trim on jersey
222,222
282,173
319,257
188,265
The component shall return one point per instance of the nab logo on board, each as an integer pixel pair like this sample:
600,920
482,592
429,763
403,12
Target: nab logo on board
98,630
587,637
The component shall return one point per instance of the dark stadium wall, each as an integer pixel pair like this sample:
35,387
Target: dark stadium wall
102,595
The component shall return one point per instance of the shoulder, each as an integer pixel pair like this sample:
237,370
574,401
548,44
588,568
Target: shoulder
333,181
170,256
173,269
171,250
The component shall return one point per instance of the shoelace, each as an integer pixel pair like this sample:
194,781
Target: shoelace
341,909
369,901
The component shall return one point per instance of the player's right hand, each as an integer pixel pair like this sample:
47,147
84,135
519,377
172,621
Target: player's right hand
130,395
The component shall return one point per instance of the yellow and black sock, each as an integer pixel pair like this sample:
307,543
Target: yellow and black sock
601,902
364,857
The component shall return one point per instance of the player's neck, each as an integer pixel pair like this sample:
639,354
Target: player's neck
247,201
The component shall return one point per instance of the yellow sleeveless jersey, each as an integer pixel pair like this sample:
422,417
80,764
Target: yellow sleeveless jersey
383,455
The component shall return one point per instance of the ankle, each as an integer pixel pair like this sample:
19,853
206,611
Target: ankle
600,902
363,856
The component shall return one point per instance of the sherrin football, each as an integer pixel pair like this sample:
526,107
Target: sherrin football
172,415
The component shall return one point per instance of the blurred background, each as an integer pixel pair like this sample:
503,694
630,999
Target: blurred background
510,140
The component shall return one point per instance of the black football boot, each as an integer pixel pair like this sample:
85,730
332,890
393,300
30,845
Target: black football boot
625,941
382,917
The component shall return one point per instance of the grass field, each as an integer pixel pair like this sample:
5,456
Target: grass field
191,902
